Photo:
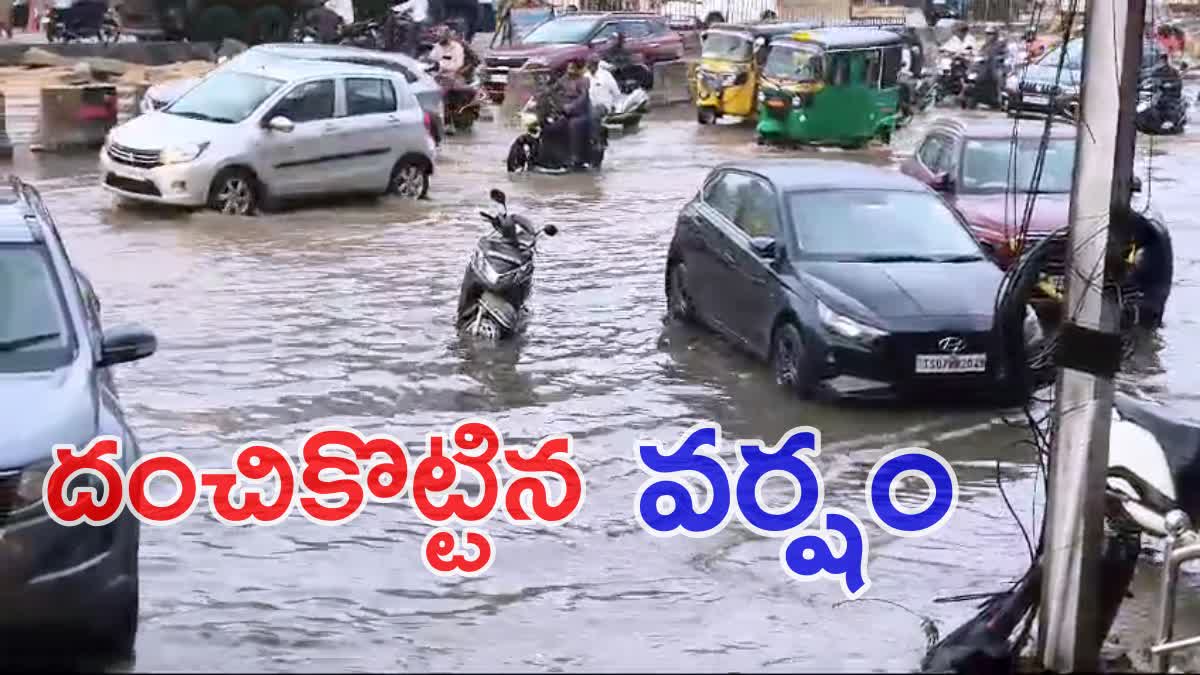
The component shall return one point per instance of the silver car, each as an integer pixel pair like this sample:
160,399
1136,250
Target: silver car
257,130
420,82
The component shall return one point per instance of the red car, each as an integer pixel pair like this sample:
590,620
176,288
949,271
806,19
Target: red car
576,35
971,165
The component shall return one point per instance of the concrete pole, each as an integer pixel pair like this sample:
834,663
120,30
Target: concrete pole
1069,631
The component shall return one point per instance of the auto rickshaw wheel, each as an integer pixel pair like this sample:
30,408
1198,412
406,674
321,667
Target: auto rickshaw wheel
706,115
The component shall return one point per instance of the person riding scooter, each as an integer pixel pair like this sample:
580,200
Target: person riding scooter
604,90
577,109
325,22
449,55
961,43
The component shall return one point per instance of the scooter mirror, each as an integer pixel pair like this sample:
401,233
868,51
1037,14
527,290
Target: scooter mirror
550,230
499,198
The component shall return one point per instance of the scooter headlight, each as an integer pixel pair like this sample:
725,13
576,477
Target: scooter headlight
484,268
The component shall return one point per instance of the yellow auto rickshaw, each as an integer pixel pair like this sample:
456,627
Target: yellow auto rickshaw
727,77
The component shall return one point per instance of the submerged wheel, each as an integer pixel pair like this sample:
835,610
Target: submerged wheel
234,192
520,156
789,361
679,301
409,180
485,327
706,115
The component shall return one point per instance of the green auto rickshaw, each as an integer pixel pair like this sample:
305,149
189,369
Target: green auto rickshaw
727,76
830,86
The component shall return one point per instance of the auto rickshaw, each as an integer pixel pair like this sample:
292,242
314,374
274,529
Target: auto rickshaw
727,77
830,86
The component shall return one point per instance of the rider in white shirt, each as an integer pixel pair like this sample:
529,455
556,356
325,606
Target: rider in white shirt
962,42
448,54
603,89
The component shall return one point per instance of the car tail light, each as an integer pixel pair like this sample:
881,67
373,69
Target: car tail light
429,125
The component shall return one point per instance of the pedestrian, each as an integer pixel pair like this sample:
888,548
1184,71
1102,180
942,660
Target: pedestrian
6,18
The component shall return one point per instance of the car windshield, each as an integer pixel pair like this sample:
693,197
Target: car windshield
797,64
570,30
34,332
879,226
226,97
726,46
1000,165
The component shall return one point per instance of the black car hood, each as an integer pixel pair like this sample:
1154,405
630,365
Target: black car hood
904,290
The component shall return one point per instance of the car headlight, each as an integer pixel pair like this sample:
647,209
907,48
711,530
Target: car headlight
181,154
1031,328
484,268
847,327
25,492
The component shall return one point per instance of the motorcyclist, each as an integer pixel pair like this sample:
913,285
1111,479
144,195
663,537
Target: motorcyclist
1164,71
326,21
617,54
577,109
449,55
604,90
961,43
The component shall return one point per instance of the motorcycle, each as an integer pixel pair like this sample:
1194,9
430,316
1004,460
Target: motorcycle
1152,489
534,150
1162,109
82,19
984,83
499,279
952,76
627,113
462,98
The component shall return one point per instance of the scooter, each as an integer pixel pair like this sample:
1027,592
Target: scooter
82,19
534,150
952,76
1153,489
499,278
985,82
1162,110
627,113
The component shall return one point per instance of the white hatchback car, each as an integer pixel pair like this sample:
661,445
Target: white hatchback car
257,131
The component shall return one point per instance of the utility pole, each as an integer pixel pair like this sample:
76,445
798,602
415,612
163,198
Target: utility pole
1070,631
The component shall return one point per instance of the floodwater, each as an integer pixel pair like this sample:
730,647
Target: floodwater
343,314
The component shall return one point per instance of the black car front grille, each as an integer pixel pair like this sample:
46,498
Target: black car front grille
140,187
143,159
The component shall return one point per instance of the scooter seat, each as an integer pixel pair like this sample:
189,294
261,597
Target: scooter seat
1179,438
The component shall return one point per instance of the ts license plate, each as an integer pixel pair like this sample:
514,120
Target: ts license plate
775,103
951,363
1037,99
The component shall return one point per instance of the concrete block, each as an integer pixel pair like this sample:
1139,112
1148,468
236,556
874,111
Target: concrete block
671,83
74,118
518,90
6,148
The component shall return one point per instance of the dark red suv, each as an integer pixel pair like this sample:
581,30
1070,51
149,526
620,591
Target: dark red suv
576,35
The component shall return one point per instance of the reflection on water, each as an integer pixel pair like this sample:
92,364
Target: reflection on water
344,314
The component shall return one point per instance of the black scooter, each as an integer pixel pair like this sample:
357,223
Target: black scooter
952,77
499,278
1162,110
549,153
985,82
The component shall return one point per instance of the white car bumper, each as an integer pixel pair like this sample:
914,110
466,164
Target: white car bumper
173,184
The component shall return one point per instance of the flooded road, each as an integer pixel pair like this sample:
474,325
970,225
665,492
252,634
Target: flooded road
273,326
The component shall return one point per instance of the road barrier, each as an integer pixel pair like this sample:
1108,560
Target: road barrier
6,148
75,118
671,83
144,53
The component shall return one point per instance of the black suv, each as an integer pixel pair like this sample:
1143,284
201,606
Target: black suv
60,586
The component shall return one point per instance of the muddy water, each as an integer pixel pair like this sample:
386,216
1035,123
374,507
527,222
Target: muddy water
273,326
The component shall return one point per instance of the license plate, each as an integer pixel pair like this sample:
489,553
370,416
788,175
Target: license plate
951,363
500,77
129,172
776,103
1037,99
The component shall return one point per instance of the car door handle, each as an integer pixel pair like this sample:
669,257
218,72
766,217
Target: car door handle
393,120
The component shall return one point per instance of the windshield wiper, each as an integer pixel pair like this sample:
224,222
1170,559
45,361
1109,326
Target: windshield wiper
21,343
966,257
202,116
896,258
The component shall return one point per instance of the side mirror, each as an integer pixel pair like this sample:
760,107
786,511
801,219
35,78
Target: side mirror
550,230
1135,185
943,182
125,344
281,124
764,247
89,293
498,197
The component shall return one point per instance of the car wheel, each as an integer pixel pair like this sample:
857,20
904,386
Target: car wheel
234,192
409,180
789,361
706,115
679,301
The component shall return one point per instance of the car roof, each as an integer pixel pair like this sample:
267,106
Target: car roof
293,69
764,29
14,228
850,37
791,175
318,51
1000,128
